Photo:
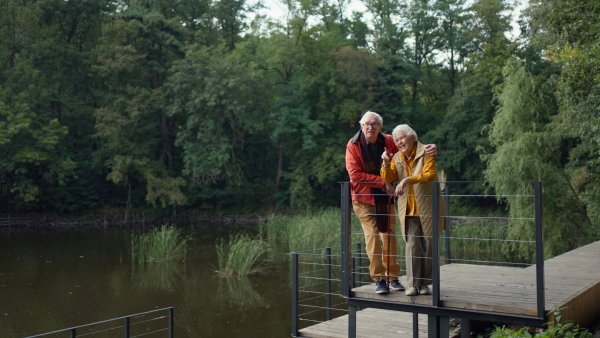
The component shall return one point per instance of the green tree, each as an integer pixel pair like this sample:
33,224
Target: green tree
33,156
528,148
462,138
452,36
388,35
462,133
46,81
489,46
572,38
135,54
219,99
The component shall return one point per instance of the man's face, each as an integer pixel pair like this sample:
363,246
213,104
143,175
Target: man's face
371,128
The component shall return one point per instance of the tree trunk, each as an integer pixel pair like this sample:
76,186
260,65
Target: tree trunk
279,165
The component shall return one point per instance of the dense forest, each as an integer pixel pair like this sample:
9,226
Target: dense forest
209,105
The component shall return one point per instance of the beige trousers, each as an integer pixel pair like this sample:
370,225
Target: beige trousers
382,248
418,254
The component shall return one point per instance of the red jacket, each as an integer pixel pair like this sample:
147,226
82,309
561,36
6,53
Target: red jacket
361,192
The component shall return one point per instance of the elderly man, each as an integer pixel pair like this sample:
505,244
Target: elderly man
372,199
414,170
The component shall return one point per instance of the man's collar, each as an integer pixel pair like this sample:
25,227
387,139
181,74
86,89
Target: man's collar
356,138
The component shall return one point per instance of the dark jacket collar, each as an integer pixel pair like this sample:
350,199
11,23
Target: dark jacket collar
356,137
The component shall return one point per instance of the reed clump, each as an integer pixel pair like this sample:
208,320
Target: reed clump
159,245
306,229
241,255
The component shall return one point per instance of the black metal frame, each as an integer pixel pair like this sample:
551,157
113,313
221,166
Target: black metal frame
296,284
438,315
126,325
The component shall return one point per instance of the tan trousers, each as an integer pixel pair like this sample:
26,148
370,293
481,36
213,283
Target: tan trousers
382,248
418,254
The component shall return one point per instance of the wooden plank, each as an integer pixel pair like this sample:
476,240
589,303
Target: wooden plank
370,323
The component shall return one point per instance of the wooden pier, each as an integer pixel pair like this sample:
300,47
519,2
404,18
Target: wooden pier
371,323
572,281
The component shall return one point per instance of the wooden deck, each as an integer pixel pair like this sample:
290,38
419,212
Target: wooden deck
572,280
370,323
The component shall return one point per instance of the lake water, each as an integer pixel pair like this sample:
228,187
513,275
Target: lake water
55,280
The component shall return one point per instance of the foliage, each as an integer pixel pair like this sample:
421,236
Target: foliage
216,97
240,256
159,245
575,50
213,106
556,329
521,126
479,240
462,136
304,229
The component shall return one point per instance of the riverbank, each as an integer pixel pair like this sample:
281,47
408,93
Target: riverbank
118,219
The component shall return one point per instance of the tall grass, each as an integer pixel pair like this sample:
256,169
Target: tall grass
306,229
478,240
240,256
159,245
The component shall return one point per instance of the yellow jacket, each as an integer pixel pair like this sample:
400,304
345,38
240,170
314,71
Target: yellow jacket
417,200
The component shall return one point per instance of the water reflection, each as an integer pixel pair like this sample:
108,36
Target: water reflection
164,276
238,293
51,281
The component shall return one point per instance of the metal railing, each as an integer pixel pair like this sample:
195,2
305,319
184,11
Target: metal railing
436,310
349,265
125,325
314,287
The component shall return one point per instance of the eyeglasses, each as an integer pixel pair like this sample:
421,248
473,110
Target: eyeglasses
374,125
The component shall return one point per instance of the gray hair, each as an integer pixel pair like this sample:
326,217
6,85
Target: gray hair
405,128
371,113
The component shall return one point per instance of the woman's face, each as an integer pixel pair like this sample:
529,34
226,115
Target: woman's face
405,143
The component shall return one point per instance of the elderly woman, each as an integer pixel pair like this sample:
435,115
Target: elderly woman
414,169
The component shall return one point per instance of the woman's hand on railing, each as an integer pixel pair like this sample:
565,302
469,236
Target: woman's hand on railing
401,187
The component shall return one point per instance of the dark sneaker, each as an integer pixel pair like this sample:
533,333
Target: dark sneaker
381,287
396,286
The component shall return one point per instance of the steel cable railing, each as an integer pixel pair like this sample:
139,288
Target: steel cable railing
476,240
164,322
478,247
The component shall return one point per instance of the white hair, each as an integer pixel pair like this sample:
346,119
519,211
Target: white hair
406,129
371,113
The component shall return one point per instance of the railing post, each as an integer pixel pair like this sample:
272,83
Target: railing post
73,332
346,240
351,321
539,250
447,231
126,327
415,324
434,321
435,257
356,266
294,294
353,267
172,322
358,275
328,284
